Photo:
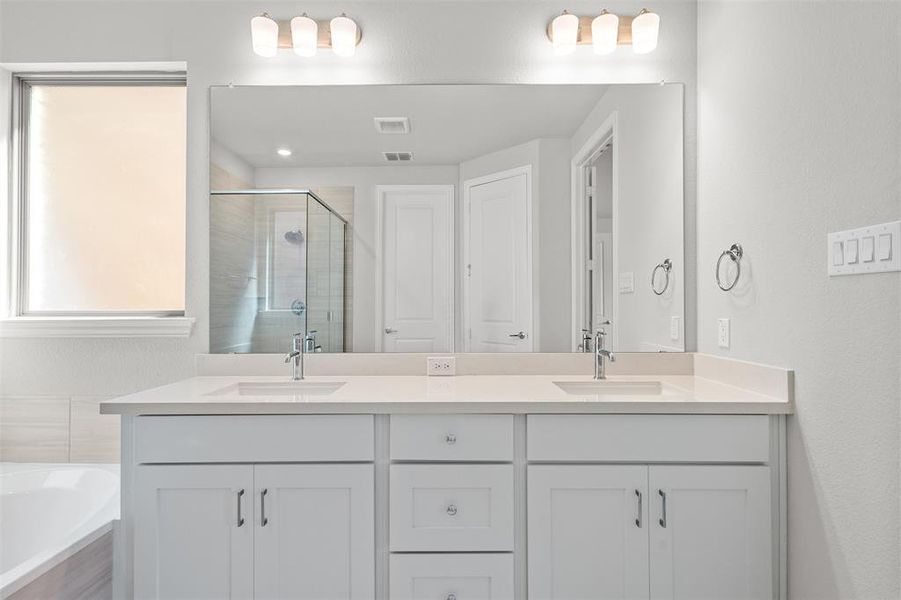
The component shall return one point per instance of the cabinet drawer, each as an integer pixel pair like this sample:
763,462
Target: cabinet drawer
451,576
254,438
448,508
452,437
648,438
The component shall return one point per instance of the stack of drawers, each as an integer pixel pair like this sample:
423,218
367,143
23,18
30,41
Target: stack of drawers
451,506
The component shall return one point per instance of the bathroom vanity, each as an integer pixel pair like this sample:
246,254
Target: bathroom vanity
485,486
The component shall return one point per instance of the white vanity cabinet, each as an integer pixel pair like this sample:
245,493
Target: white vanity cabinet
659,531
265,530
454,506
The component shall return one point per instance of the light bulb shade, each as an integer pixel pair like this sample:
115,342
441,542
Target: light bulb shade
304,36
344,35
565,33
604,33
264,35
645,28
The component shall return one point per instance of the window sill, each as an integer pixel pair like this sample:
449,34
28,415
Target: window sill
96,327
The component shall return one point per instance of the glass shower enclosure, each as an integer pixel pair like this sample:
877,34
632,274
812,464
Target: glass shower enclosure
277,267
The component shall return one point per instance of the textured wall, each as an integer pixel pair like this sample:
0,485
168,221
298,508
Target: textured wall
799,134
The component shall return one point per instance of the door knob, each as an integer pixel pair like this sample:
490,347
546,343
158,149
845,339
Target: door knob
521,335
389,331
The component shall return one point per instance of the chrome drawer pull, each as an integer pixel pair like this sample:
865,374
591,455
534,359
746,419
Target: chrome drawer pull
263,519
451,509
450,438
240,518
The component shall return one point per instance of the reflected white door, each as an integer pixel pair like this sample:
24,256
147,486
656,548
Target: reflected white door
417,261
498,263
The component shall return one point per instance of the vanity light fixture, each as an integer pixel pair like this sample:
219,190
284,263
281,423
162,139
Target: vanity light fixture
344,35
283,152
565,33
304,35
264,35
604,32
645,28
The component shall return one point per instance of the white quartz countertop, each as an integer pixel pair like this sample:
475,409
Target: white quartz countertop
225,395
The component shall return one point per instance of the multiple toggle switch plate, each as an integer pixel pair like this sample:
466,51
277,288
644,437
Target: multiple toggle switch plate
873,249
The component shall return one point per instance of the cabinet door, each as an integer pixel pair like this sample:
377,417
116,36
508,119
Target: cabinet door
713,540
588,532
193,532
314,532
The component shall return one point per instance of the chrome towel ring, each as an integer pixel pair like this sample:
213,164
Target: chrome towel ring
734,253
667,266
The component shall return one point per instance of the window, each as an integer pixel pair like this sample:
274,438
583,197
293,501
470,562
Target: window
101,216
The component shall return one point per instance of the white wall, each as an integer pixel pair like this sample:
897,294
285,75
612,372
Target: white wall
365,221
800,134
649,218
404,42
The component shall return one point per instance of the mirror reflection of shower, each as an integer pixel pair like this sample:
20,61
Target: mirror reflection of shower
290,245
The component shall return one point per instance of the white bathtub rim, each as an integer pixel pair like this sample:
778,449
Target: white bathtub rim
21,575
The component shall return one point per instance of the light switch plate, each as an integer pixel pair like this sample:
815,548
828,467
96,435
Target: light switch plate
441,365
872,249
722,333
626,282
674,328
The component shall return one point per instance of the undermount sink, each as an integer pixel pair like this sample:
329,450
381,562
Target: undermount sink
280,388
604,388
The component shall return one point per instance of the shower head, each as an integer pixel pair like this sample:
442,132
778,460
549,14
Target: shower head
295,236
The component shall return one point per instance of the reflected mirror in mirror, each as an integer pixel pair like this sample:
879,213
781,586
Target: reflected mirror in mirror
441,218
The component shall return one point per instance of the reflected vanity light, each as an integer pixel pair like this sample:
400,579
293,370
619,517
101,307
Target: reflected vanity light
264,35
283,152
307,35
604,32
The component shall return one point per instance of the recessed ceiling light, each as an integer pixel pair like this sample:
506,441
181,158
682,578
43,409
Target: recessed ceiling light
283,152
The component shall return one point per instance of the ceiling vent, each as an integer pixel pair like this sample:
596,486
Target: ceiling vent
392,125
398,156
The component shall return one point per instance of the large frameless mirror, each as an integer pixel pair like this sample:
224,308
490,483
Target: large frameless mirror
438,218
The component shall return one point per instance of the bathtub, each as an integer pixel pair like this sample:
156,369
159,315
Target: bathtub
48,512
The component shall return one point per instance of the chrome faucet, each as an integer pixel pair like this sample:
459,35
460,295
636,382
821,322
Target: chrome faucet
299,344
600,353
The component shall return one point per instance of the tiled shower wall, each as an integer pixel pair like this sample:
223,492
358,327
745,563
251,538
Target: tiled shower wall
57,429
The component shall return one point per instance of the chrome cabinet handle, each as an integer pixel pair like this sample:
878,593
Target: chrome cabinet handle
451,509
662,520
389,331
521,335
450,438
638,519
240,518
263,520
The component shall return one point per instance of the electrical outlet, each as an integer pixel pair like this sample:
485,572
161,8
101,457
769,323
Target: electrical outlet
722,333
441,365
674,328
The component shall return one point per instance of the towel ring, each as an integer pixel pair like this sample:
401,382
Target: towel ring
667,266
734,253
